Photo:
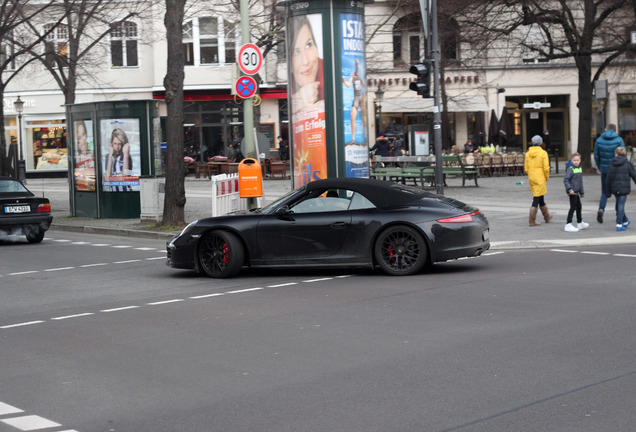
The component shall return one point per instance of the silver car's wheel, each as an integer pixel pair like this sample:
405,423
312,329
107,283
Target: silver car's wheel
400,251
221,254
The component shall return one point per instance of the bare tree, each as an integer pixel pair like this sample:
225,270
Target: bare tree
13,45
175,199
591,33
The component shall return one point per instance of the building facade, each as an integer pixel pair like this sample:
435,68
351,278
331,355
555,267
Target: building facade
130,64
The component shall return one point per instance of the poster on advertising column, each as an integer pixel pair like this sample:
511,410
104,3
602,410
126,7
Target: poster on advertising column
307,97
121,150
84,153
354,95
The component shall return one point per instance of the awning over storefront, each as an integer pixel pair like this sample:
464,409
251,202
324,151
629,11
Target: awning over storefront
418,104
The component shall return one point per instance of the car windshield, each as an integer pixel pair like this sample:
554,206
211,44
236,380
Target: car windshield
12,186
271,207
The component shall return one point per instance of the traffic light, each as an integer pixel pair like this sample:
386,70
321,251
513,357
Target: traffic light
423,84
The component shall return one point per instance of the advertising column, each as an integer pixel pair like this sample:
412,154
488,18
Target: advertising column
327,89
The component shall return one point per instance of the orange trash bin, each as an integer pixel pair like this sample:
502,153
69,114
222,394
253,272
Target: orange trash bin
250,178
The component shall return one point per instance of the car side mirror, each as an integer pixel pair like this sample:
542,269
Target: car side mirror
283,211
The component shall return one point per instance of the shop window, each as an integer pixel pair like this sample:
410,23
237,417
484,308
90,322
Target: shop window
124,40
56,45
627,118
45,145
209,40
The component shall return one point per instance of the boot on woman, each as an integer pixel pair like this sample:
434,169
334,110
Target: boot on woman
546,214
533,217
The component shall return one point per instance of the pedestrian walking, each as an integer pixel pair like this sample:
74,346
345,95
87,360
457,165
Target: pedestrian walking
537,167
573,182
619,173
604,148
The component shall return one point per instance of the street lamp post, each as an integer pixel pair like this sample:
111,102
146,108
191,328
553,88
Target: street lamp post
379,96
19,107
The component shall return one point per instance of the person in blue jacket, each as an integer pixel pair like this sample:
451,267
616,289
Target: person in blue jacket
604,148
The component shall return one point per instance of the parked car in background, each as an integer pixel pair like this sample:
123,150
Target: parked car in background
339,222
21,212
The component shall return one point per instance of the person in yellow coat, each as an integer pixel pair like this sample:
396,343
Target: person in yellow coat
537,167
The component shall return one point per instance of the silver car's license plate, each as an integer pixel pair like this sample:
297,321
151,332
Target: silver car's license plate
17,209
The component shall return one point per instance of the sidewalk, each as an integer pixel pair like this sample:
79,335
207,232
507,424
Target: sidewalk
504,202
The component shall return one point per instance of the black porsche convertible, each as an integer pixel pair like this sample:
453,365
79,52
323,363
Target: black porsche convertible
338,222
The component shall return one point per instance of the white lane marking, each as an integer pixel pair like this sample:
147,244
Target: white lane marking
63,241
30,422
100,244
94,265
80,243
164,302
155,258
8,409
58,269
127,261
145,249
21,324
282,285
206,296
563,250
243,290
344,276
119,309
72,316
122,247
491,253
24,272
318,280
624,255
595,253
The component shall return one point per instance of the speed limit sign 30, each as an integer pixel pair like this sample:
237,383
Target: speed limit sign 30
250,59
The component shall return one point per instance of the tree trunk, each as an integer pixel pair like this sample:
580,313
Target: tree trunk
584,67
175,199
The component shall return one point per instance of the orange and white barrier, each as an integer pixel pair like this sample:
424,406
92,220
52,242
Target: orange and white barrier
225,195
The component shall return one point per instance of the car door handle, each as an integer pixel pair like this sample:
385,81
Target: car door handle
338,225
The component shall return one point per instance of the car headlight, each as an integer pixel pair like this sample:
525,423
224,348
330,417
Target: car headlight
188,227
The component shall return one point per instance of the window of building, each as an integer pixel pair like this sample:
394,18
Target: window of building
124,40
409,43
408,47
56,45
7,50
533,39
209,40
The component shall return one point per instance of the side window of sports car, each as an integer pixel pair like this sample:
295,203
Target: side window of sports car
359,202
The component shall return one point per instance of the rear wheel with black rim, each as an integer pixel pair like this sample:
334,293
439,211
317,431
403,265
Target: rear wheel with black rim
221,254
400,251
35,236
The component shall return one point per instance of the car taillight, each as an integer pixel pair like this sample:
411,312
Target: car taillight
44,208
458,219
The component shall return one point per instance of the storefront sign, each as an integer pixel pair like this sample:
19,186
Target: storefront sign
406,81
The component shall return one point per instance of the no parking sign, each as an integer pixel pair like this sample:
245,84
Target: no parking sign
245,87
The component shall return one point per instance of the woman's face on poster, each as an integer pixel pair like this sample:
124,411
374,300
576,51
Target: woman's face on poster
82,142
117,144
304,57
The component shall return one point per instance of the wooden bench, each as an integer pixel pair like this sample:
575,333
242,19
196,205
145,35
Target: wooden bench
424,171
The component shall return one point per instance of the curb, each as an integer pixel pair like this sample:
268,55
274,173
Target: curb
115,231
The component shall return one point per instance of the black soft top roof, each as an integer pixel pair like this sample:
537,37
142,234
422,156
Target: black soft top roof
380,192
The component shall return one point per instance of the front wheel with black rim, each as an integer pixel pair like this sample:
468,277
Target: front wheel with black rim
400,251
221,254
